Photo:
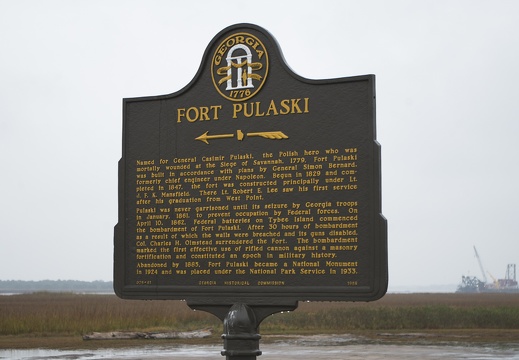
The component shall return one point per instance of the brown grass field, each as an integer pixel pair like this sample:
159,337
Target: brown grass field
58,320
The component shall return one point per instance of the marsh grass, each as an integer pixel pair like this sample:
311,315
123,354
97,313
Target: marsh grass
50,314
395,318
63,313
415,312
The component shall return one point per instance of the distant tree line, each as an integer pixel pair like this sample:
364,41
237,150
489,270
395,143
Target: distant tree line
19,286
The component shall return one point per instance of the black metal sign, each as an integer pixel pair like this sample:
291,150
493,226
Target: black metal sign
251,183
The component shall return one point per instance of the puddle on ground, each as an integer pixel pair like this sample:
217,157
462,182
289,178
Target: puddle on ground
318,347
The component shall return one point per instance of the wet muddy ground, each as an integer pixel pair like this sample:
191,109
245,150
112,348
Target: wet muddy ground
329,347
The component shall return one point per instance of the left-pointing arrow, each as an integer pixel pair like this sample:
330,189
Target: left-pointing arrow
204,137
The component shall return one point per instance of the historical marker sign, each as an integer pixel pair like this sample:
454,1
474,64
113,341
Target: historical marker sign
251,183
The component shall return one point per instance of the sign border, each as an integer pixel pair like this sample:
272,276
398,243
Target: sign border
255,294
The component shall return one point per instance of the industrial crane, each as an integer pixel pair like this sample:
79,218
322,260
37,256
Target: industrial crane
497,285
473,284
480,266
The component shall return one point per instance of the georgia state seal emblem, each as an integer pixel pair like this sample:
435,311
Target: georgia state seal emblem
239,67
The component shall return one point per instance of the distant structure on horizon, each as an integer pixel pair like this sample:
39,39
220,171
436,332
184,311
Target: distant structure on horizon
75,286
471,284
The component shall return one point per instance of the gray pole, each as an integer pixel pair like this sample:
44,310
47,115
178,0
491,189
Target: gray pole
241,338
241,323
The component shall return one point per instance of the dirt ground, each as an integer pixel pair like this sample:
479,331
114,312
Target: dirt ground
467,345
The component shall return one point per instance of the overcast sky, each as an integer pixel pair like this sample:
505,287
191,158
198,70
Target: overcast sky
447,118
